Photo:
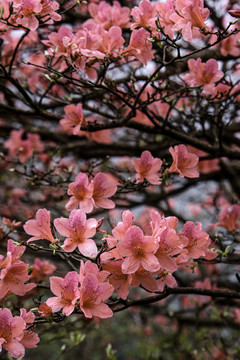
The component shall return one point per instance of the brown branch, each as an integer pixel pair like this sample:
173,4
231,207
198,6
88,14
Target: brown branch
179,291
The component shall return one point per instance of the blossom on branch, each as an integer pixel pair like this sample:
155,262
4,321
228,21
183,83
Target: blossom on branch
40,228
137,250
14,272
78,231
66,291
81,192
11,333
139,46
229,218
147,167
73,119
205,74
189,17
184,162
93,294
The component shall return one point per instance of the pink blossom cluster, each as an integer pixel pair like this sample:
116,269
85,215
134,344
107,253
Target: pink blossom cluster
27,13
14,272
101,36
87,291
14,333
87,195
92,43
133,258
23,149
76,229
185,16
149,260
184,163
108,16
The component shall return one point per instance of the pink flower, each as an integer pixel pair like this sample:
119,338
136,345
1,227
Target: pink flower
11,333
147,167
81,192
108,15
139,46
184,162
55,41
92,297
138,250
102,189
15,251
13,278
142,14
49,8
66,291
30,338
164,11
229,218
23,148
169,245
86,195
230,45
14,272
206,74
27,12
78,231
160,223
45,310
188,15
91,268
166,279
73,119
122,226
144,278
40,269
198,241
112,40
117,278
40,228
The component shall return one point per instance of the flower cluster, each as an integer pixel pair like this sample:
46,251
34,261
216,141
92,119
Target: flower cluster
14,333
14,272
27,13
87,195
87,291
185,16
149,260
24,149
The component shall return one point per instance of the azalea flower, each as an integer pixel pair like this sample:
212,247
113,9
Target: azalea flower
147,167
78,231
137,250
66,291
73,119
184,162
92,296
40,228
229,218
